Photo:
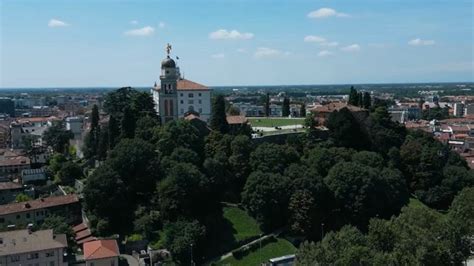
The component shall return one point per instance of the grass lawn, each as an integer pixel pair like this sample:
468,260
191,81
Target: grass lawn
274,122
230,231
243,225
281,247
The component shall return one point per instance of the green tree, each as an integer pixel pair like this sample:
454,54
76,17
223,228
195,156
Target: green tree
303,110
178,133
218,117
268,157
114,132
69,172
128,124
58,224
146,126
58,137
285,110
266,197
22,197
91,141
367,100
301,207
345,130
181,237
353,97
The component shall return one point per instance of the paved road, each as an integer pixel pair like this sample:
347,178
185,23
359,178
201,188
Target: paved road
130,259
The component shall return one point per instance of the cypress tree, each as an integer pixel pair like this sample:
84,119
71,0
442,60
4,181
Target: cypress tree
367,100
360,100
303,110
218,117
353,96
128,124
267,105
113,129
285,111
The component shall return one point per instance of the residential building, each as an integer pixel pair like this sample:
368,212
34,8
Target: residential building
9,190
4,135
322,112
237,123
176,96
470,109
74,124
458,109
33,175
103,252
27,247
249,109
35,211
11,163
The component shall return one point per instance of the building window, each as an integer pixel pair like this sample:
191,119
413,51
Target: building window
200,94
15,258
27,215
92,264
181,101
50,254
200,110
18,216
200,101
190,101
51,263
32,256
112,263
2,220
181,94
182,111
191,108
191,95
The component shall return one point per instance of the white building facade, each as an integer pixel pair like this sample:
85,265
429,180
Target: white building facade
175,97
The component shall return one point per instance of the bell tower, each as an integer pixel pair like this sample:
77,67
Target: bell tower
168,88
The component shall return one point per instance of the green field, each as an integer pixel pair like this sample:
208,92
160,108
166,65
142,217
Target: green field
234,228
280,247
243,225
274,122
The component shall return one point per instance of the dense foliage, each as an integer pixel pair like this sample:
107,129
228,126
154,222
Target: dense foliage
166,183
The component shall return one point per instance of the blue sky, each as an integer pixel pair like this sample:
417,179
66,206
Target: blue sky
235,42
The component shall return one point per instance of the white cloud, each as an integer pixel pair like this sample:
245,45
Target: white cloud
133,22
314,38
265,52
161,24
326,12
241,50
420,42
53,23
324,53
145,31
351,48
329,44
223,34
218,56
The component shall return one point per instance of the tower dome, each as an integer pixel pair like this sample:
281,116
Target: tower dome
168,63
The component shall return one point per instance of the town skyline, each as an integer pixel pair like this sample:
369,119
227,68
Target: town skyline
64,44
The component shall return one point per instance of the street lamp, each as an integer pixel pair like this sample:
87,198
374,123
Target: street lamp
322,231
192,263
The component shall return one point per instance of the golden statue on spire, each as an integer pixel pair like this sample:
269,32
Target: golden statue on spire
168,49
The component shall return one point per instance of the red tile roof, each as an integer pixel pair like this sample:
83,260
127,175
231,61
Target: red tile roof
87,239
9,185
38,204
184,84
236,119
83,234
79,227
336,106
100,249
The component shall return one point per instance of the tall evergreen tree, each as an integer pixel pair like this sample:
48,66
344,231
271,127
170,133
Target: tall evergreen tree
128,124
218,117
285,110
114,131
303,110
353,96
360,99
267,105
367,100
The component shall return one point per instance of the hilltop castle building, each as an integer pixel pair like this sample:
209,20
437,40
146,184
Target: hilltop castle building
177,97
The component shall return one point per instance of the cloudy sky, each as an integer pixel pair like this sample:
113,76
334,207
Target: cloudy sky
235,42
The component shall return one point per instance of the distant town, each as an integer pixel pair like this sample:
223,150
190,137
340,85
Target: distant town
91,176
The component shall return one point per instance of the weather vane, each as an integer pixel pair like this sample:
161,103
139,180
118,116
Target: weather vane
168,49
